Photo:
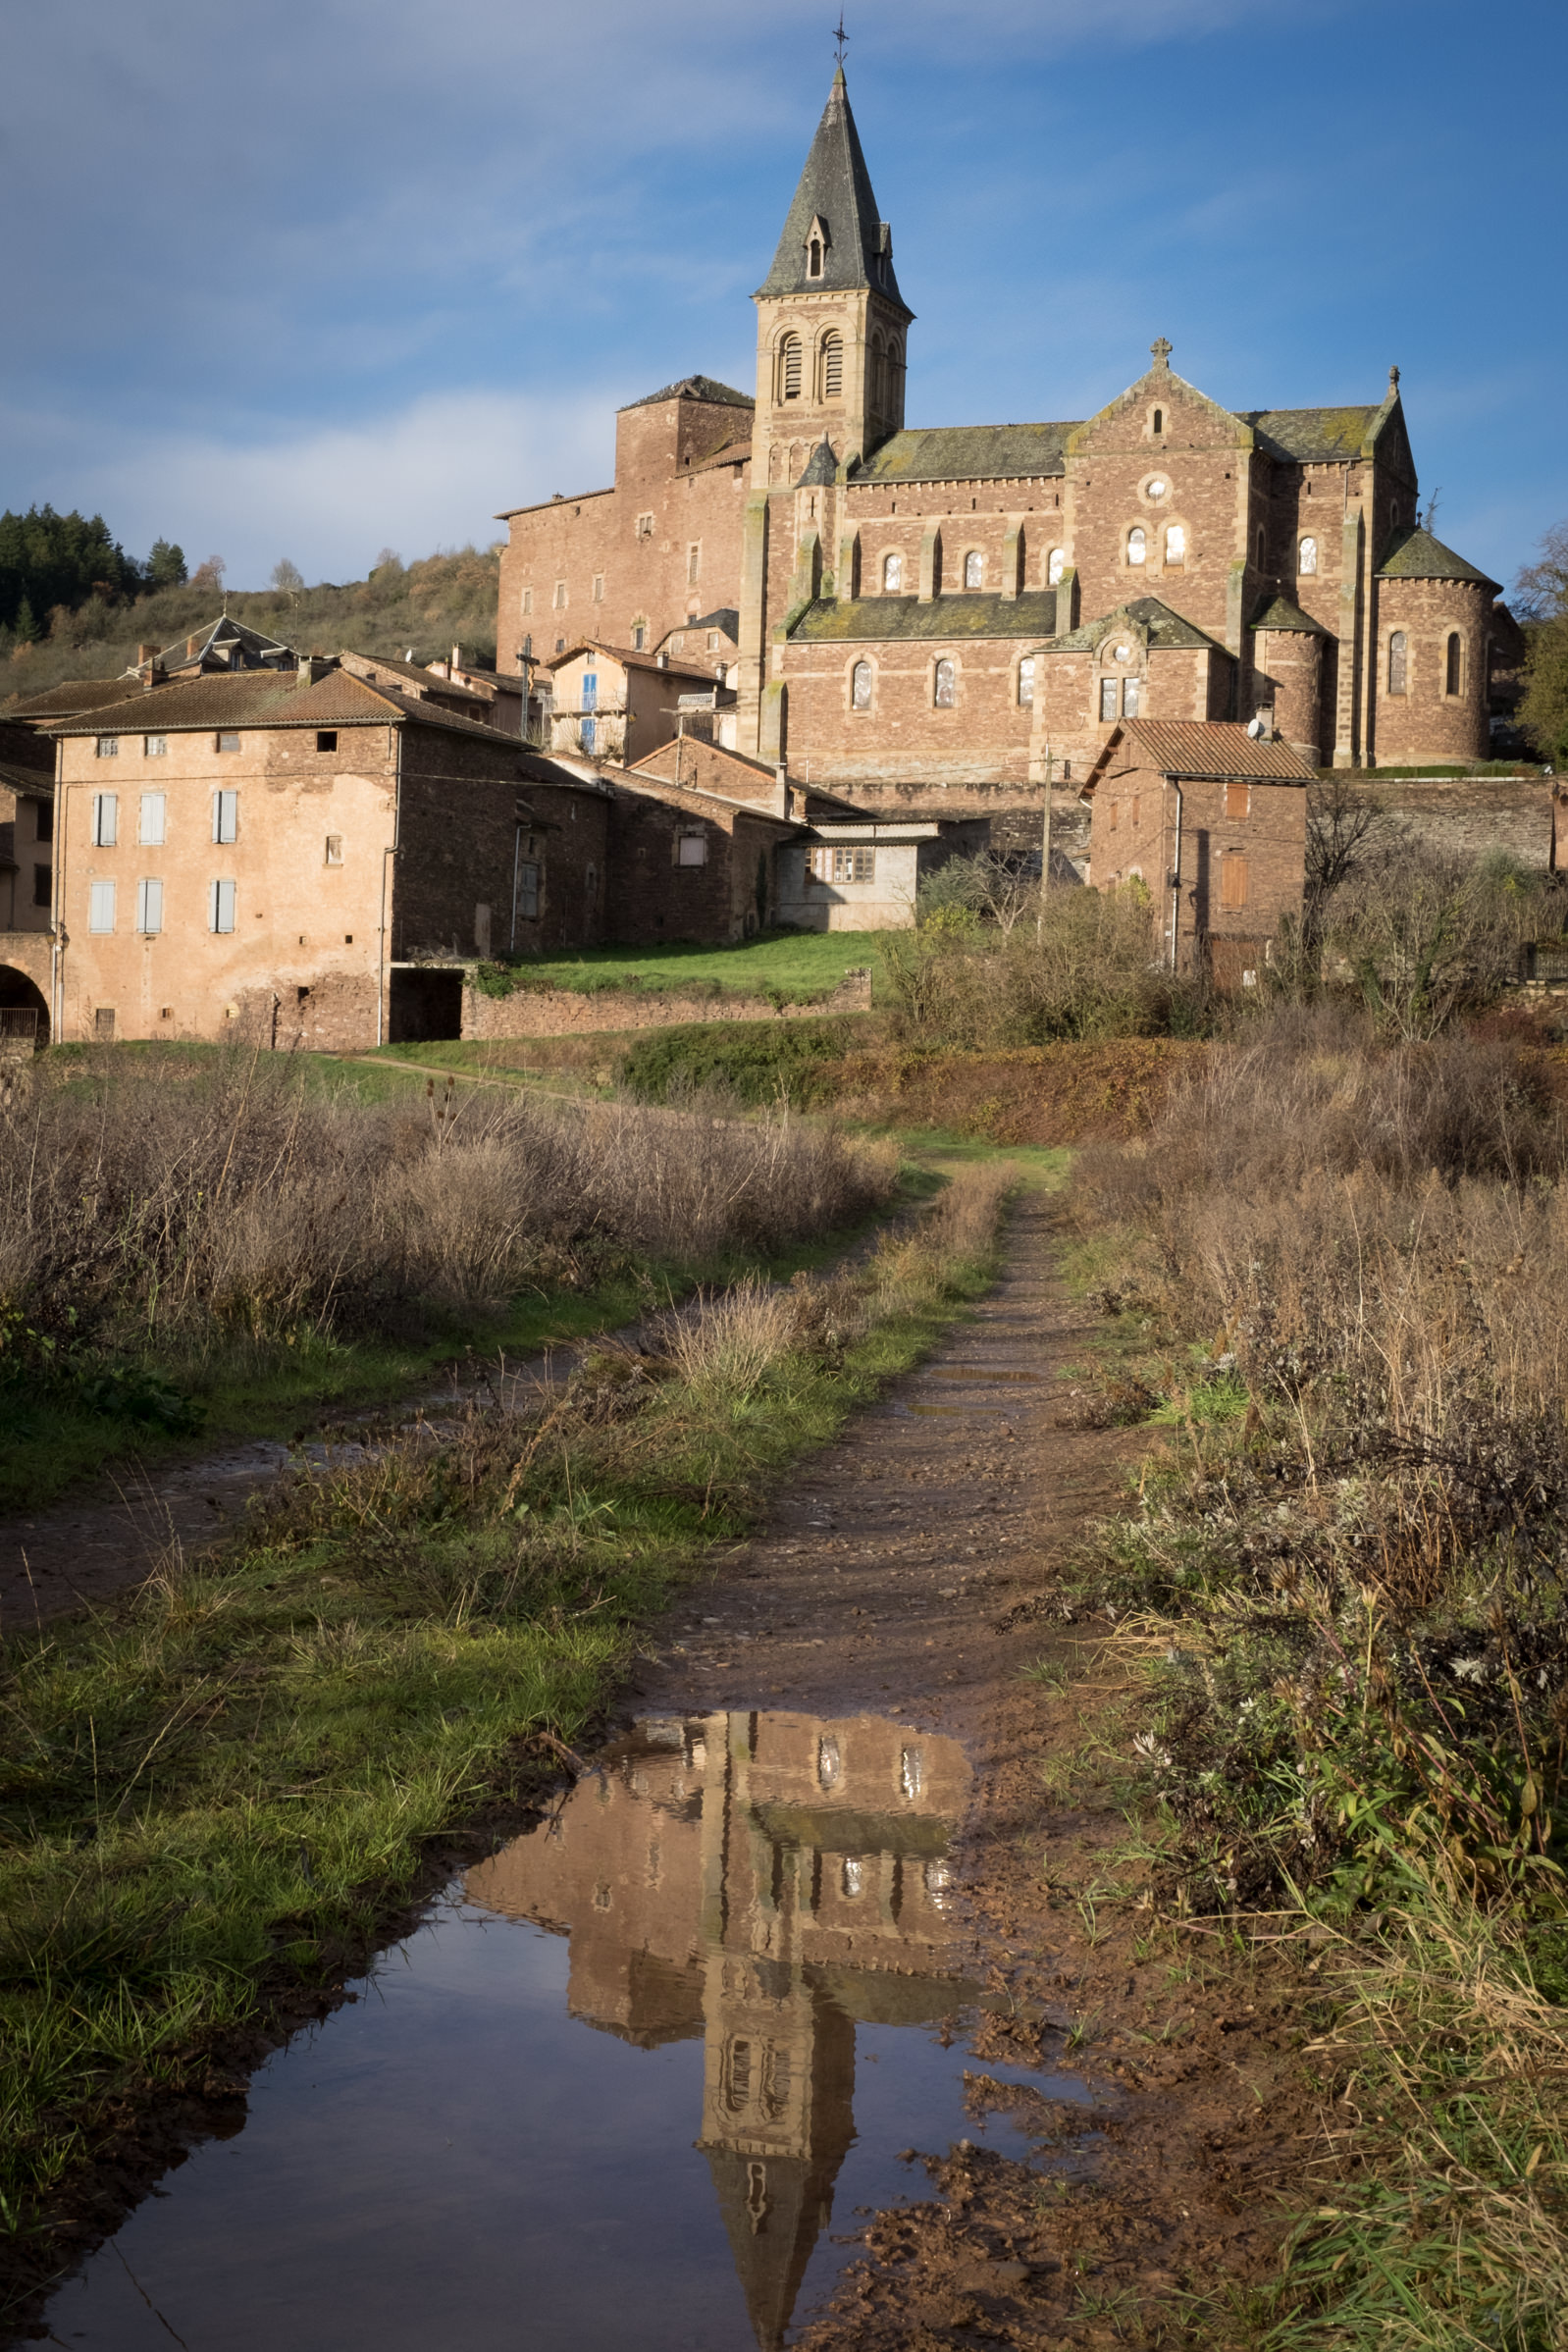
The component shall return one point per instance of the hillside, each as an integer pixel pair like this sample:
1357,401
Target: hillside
431,606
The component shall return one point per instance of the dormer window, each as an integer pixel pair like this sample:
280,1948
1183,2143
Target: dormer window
816,245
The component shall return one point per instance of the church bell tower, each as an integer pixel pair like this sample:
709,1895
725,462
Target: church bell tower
830,321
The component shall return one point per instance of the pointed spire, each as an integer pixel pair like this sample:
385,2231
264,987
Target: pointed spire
835,196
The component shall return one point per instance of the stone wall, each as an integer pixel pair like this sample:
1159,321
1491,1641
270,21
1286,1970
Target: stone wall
472,822
1427,722
556,1013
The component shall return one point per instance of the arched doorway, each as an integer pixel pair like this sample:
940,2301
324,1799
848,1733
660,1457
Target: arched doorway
23,1014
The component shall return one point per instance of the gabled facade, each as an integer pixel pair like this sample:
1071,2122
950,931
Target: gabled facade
911,601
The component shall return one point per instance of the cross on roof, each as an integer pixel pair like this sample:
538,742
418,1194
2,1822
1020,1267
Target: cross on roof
841,37
1161,349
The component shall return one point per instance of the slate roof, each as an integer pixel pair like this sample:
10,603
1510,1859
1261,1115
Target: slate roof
21,748
1414,555
723,616
974,613
1162,627
65,701
968,453
1312,435
835,188
259,698
693,387
1215,747
38,785
1278,612
194,647
821,467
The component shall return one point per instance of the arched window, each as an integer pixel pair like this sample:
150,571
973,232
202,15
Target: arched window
1137,544
974,569
892,575
789,368
832,365
1396,662
813,266
861,686
1454,665
1175,543
1307,556
1056,564
1158,420
943,687
1027,679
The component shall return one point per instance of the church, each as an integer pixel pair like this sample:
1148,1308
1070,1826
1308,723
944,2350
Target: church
957,616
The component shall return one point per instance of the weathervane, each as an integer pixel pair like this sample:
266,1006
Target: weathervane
841,37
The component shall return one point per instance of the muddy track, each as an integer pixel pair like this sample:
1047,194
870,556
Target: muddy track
905,1576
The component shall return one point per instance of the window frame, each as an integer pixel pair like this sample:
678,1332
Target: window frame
1235,881
1056,563
944,683
1110,699
217,905
1135,547
1453,666
225,815
530,888
226,741
106,820
974,561
106,747
1397,664
859,670
1174,547
1028,676
832,365
149,906
1308,543
152,840
155,747
332,852
687,839
791,367
892,572
42,884
100,897
1131,697
841,863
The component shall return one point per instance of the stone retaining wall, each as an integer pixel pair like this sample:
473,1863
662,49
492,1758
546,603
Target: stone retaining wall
559,1012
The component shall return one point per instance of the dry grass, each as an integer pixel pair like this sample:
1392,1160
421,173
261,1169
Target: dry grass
142,1206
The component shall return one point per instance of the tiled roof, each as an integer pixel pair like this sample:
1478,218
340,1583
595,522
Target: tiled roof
1312,435
576,498
22,747
728,453
1152,620
63,701
1414,555
1200,747
265,698
429,681
694,388
631,660
968,454
197,644
37,784
835,188
1279,613
845,619
724,616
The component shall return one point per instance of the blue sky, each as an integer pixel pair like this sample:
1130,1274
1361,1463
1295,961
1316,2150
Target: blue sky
320,279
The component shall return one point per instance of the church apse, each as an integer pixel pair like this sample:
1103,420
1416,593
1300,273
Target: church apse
763,1881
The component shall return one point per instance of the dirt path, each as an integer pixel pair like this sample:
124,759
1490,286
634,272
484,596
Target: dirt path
901,1578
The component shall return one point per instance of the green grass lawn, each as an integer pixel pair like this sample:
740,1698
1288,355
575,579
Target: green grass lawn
801,966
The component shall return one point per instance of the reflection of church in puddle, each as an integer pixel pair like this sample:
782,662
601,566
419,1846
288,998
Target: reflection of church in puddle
764,1881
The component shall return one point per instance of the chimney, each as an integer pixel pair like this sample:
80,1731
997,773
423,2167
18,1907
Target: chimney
144,654
313,667
781,790
191,644
457,659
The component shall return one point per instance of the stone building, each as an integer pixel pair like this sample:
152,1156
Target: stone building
305,855
605,703
27,883
970,610
1212,821
759,1882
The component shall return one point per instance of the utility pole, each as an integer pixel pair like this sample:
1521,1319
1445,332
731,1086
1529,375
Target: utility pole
1045,845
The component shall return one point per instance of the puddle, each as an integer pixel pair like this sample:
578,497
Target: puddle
626,2084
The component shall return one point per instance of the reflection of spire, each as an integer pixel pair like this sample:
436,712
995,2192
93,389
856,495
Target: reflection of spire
765,1880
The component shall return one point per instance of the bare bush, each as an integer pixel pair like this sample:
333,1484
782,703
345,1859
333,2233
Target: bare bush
242,1195
1091,970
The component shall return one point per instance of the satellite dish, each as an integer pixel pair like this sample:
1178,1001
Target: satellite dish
1256,729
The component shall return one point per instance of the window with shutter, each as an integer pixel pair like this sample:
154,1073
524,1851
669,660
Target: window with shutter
151,830
832,367
1233,880
221,907
789,368
105,819
149,908
1238,800
225,817
100,907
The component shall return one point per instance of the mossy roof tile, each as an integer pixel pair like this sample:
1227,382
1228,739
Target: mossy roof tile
968,454
1414,555
975,614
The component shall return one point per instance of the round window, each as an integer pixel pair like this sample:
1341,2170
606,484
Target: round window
1156,488
1122,653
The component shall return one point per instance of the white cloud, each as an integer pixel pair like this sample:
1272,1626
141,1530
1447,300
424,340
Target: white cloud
432,474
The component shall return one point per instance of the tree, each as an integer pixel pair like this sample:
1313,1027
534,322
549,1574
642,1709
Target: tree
29,630
287,576
1542,596
210,573
49,559
166,565
388,561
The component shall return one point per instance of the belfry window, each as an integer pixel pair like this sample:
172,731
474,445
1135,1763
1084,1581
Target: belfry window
861,686
789,368
892,574
944,688
1307,557
832,366
1137,544
1454,665
974,569
1396,662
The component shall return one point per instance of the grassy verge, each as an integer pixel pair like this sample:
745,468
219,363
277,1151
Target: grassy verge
220,1789
1326,1275
797,967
